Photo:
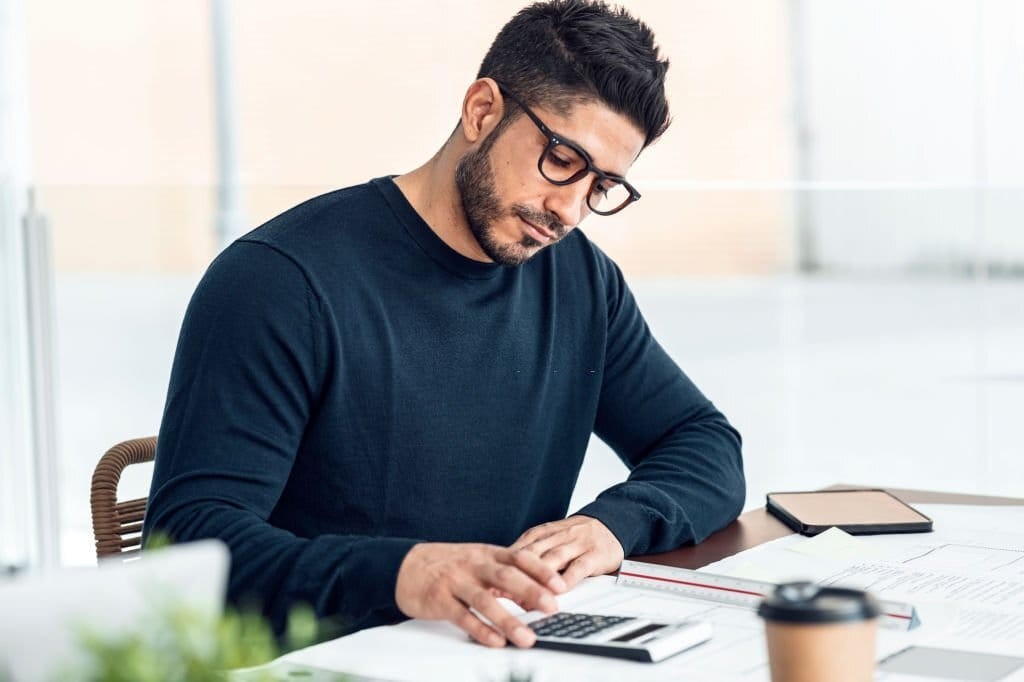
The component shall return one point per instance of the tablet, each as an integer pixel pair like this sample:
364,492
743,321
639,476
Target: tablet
858,512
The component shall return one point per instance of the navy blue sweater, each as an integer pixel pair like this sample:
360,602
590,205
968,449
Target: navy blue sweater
346,385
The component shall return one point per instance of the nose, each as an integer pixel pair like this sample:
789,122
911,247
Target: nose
569,202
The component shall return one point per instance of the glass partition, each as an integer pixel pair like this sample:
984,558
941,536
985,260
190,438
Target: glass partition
829,240
16,519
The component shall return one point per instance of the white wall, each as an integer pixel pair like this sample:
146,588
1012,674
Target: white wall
911,105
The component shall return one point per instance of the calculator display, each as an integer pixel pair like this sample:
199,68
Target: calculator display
630,636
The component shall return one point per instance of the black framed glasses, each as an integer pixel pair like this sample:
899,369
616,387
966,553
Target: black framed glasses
564,162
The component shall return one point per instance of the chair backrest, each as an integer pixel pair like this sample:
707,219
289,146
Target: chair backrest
118,525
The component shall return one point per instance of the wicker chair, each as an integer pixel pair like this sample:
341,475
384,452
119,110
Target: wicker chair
118,525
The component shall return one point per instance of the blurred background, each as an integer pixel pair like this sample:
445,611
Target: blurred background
830,242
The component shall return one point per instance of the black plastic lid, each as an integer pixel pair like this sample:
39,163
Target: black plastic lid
806,602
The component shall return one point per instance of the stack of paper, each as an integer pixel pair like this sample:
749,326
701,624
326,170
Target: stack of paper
966,580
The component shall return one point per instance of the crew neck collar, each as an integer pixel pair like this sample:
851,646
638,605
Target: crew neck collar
435,247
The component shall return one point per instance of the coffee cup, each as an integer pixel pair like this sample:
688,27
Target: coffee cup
820,633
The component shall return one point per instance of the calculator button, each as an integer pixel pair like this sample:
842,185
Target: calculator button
576,626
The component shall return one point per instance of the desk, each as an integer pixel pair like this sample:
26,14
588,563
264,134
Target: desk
432,651
757,526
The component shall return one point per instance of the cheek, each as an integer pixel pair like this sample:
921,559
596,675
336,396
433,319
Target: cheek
512,179
516,175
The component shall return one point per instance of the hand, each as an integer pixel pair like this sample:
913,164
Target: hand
443,581
578,546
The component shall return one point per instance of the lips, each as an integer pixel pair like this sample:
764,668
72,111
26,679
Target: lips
539,233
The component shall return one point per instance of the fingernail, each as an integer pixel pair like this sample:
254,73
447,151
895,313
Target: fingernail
523,636
557,584
548,603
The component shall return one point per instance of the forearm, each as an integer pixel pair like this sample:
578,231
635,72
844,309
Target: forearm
688,485
686,468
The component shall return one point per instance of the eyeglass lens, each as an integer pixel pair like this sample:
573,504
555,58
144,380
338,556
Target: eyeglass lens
563,164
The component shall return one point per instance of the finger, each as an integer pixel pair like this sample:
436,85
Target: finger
541,546
469,623
523,588
501,594
539,570
560,533
536,533
483,602
560,556
580,568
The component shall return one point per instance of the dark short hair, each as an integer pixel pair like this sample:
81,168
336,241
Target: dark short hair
562,52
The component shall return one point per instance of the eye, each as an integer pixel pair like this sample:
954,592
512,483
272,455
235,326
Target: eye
559,160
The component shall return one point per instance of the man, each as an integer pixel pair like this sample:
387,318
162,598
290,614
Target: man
381,399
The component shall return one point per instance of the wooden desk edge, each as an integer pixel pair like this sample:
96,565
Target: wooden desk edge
757,526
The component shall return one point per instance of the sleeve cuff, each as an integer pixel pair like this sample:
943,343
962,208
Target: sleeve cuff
627,521
377,563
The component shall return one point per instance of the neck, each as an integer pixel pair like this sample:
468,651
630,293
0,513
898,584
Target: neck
432,192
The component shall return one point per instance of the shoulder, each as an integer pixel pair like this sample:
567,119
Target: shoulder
251,280
323,216
331,229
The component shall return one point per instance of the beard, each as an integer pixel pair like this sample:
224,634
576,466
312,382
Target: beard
474,178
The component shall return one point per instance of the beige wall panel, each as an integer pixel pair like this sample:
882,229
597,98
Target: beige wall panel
724,232
332,93
729,89
335,93
130,229
120,92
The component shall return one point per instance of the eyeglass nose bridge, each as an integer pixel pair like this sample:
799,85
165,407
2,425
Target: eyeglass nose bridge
553,141
591,187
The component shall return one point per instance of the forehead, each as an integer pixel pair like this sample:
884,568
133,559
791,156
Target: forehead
611,139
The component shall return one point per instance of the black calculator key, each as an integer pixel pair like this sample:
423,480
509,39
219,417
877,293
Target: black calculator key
574,625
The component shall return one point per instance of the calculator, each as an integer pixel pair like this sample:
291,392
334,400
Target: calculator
636,639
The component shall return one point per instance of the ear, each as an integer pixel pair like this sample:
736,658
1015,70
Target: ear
482,109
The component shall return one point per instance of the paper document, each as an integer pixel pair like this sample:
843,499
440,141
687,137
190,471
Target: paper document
836,544
965,580
440,651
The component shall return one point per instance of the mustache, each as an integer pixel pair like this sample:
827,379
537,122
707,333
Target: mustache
540,218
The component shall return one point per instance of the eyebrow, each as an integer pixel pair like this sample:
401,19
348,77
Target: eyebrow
532,115
565,138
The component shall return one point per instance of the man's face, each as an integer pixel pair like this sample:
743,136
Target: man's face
512,211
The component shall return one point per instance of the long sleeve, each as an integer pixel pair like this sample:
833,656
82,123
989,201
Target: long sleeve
686,469
346,385
247,375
